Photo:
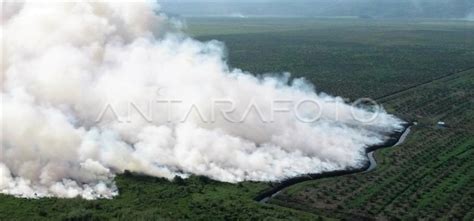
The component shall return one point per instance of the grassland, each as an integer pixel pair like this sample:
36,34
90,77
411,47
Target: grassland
430,176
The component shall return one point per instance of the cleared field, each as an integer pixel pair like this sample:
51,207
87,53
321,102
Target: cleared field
431,175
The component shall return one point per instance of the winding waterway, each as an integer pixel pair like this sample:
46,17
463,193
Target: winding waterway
395,140
373,162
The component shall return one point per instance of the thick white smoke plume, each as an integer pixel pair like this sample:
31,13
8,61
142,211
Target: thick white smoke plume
79,79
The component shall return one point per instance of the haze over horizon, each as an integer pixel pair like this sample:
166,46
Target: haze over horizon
440,9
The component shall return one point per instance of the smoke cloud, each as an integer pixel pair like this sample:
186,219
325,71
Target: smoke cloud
70,72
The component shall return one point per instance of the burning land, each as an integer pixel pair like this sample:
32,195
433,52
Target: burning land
122,111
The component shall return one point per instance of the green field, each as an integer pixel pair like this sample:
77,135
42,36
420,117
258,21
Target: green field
412,66
431,175
344,57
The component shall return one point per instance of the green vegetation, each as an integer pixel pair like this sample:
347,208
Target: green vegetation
345,57
147,198
430,176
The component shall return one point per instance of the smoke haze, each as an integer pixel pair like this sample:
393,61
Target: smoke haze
70,70
470,16
403,9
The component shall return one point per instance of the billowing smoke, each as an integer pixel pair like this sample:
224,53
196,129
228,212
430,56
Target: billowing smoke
90,90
